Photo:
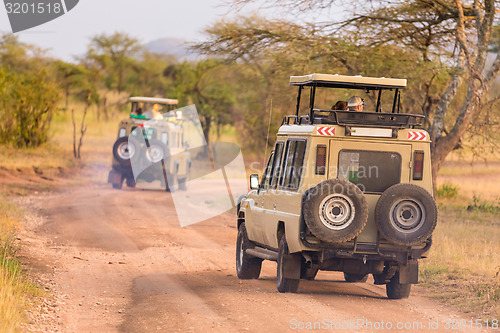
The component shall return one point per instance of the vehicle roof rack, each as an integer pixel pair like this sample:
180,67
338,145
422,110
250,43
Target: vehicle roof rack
167,101
371,119
346,81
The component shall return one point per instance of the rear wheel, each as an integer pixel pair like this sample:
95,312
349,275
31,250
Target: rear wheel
131,182
181,181
285,285
355,277
118,185
397,290
247,266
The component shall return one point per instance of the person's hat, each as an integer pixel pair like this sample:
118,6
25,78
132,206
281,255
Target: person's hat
355,101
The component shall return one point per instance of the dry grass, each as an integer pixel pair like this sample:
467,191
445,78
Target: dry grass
53,158
463,267
14,289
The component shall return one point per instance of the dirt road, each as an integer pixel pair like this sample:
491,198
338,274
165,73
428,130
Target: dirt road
119,261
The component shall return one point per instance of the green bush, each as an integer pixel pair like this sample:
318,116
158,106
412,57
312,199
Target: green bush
484,206
27,103
447,190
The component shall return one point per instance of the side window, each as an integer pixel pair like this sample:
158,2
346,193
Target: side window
267,172
275,172
294,160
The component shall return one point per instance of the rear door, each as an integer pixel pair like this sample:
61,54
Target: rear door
373,167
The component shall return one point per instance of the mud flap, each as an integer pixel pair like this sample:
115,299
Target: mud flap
291,266
408,274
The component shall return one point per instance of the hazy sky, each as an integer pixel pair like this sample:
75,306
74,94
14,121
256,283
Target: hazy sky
146,20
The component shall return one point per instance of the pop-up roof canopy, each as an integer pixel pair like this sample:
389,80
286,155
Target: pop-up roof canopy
166,101
345,81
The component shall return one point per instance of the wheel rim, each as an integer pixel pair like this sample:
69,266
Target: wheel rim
337,211
126,151
407,215
154,154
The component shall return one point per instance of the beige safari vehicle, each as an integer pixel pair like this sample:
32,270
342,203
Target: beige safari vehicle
342,191
145,140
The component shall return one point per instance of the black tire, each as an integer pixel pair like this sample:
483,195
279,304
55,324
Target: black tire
170,182
285,285
396,290
247,267
406,214
118,186
182,183
131,182
126,150
355,277
335,210
155,151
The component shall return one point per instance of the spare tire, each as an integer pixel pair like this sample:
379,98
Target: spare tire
126,150
335,210
406,214
155,151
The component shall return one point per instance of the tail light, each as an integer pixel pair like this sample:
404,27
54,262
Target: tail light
320,159
418,165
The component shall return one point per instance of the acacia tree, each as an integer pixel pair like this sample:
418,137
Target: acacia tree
113,53
267,52
452,38
200,84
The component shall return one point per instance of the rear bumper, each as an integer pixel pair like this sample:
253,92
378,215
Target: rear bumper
367,252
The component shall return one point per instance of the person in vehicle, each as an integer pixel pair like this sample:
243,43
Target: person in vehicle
156,114
340,105
355,103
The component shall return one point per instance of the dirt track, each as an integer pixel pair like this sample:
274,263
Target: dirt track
119,261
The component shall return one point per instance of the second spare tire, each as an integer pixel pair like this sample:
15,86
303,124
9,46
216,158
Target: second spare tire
406,214
335,210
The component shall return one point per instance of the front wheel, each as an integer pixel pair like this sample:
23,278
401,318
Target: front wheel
247,267
397,290
285,285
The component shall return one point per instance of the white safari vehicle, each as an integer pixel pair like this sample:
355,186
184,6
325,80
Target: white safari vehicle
148,137
346,191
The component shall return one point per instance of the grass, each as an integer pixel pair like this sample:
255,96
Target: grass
52,159
447,190
15,288
463,268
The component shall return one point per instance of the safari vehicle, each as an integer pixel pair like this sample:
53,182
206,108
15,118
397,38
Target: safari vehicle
342,191
144,142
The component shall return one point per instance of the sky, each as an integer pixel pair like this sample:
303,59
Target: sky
146,20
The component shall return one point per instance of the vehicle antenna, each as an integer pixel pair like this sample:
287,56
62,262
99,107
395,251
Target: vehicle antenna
268,129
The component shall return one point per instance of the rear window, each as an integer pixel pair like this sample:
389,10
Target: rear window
371,171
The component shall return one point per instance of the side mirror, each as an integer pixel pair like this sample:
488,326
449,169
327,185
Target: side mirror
254,182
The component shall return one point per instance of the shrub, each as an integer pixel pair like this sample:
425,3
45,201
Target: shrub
447,190
27,102
484,206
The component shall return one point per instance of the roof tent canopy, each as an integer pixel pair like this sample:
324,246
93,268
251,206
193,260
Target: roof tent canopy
345,81
166,101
